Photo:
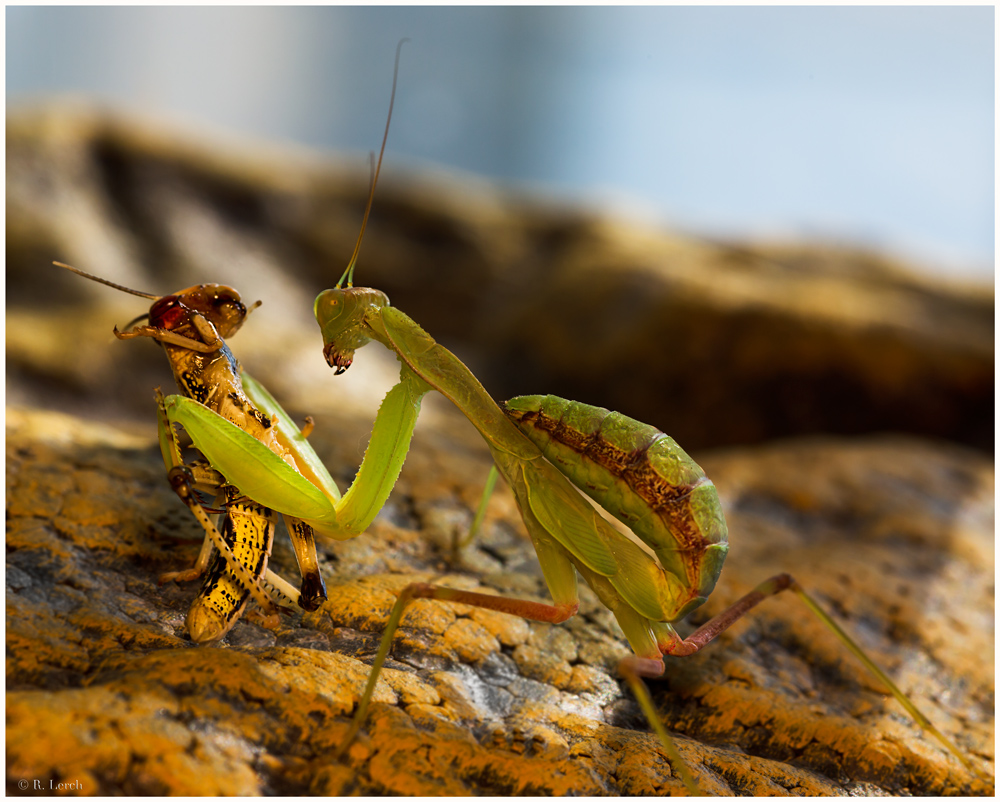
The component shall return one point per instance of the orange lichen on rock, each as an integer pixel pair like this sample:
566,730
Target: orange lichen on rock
105,688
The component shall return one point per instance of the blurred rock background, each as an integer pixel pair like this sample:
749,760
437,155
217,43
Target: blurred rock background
717,342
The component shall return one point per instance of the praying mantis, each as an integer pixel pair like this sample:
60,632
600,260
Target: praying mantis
547,448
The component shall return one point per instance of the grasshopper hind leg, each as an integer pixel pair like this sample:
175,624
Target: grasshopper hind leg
312,592
198,475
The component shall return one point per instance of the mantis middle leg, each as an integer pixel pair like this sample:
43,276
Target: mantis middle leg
634,471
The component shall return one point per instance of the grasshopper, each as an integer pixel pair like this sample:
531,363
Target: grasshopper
191,325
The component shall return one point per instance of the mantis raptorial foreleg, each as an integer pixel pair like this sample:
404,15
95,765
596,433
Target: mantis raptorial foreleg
310,504
263,476
191,326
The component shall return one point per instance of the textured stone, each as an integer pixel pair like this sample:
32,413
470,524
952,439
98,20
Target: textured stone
104,687
717,343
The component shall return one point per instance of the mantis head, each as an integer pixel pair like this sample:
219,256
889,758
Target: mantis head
342,317
343,313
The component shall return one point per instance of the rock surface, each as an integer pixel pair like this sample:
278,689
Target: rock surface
729,344
105,689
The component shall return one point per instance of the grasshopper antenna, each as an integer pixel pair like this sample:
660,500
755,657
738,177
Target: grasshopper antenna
100,280
349,272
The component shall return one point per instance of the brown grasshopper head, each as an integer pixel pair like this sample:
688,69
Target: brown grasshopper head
341,316
217,303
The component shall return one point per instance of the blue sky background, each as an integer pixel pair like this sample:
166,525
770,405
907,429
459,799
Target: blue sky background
873,126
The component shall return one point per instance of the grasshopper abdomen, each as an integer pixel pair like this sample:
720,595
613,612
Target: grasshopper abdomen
248,530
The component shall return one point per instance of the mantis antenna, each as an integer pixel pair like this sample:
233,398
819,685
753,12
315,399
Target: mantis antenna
349,272
100,280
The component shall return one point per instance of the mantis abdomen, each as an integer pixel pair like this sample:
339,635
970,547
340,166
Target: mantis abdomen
639,475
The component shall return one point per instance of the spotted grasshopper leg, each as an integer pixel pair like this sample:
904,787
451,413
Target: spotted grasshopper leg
192,325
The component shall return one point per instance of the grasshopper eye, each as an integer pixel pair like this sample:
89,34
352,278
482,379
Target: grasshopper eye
224,295
222,305
167,312
230,306
220,297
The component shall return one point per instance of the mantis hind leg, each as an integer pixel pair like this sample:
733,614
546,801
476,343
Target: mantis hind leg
559,575
680,647
633,669
533,611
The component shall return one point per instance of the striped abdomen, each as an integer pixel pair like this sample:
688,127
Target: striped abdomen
639,475
248,529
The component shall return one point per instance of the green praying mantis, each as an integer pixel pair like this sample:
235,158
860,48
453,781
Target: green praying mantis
546,449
